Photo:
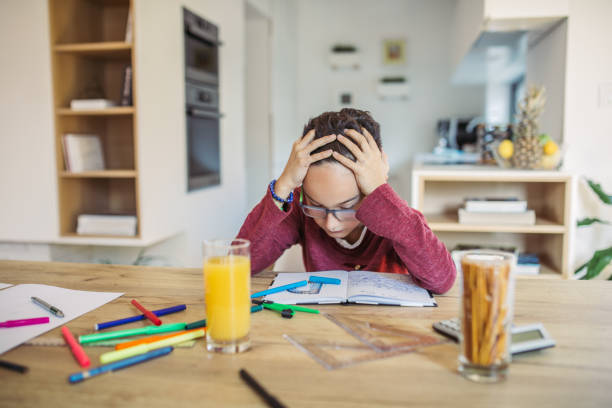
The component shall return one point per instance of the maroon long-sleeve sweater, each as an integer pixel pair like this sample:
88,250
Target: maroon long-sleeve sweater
398,240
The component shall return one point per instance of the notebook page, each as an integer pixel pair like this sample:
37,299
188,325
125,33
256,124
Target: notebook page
15,304
386,288
311,293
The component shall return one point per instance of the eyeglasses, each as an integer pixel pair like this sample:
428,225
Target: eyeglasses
321,212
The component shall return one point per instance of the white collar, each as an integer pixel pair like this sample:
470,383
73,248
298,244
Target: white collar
344,243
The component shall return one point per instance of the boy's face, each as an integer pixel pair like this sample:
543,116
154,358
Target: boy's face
332,186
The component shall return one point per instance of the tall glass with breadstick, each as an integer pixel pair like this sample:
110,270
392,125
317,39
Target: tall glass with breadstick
487,303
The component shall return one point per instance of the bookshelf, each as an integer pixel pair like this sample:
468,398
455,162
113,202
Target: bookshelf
439,191
88,48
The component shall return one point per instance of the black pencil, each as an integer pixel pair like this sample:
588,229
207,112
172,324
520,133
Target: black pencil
261,391
13,366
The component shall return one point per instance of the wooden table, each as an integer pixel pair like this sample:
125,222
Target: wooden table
576,373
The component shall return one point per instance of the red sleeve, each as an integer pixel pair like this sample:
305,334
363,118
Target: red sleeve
270,230
425,256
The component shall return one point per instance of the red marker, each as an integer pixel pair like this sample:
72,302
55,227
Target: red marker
147,313
76,348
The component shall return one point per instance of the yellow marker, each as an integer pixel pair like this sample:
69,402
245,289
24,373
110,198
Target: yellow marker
144,348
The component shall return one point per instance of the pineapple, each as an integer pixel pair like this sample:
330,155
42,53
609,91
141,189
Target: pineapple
528,150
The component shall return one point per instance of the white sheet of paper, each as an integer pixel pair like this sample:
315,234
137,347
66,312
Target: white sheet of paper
5,285
15,304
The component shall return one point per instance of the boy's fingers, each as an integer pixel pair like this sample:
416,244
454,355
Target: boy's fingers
369,138
346,161
359,138
351,146
319,142
303,141
320,156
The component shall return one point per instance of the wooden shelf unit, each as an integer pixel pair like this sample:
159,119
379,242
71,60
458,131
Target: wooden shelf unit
114,111
439,191
89,51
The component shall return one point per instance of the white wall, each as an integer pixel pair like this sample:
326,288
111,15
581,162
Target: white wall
28,193
285,124
588,126
546,66
409,126
212,212
258,130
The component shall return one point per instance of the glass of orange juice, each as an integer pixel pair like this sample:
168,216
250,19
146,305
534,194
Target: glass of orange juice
227,294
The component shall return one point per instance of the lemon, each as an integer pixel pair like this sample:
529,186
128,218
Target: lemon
550,148
506,149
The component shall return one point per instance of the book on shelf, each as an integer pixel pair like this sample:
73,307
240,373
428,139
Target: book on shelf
82,152
497,218
495,204
91,104
126,88
527,264
355,287
128,27
106,224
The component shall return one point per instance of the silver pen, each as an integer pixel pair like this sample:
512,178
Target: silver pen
47,306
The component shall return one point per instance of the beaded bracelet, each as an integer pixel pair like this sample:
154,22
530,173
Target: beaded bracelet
277,198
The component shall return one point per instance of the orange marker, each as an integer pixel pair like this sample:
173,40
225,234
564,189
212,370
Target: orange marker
151,339
148,314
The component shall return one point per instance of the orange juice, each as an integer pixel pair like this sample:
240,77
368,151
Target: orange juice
227,285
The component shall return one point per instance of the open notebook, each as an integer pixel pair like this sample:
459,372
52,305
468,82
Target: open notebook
355,287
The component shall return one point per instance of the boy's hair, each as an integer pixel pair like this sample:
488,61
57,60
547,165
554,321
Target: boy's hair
334,123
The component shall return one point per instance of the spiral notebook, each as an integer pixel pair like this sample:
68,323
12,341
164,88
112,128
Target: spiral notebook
373,288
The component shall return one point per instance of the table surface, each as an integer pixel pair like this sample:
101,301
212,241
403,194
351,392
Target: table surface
577,372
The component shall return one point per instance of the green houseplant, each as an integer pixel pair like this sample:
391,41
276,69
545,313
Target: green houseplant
602,257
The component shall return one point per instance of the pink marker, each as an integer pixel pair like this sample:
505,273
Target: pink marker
24,322
76,348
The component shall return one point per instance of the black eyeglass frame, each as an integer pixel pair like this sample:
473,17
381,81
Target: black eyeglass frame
327,211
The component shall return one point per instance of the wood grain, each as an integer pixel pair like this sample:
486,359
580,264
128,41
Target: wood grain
577,372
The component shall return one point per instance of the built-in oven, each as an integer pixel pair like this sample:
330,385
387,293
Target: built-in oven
202,101
203,145
201,49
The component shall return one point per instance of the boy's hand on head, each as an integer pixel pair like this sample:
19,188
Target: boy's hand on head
371,168
300,160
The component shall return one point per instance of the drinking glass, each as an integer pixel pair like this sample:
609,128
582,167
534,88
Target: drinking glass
487,293
227,286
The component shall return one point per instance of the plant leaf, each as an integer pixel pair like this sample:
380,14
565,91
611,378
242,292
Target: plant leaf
598,262
606,198
589,221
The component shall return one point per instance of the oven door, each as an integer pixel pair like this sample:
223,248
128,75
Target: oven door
203,153
201,57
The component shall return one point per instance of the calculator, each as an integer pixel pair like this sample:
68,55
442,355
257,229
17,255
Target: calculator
525,338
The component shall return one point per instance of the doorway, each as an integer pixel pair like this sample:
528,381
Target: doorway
258,114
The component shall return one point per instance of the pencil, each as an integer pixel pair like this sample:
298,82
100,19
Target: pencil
261,391
14,367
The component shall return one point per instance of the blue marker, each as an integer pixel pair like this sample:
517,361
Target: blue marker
118,365
160,312
280,288
321,279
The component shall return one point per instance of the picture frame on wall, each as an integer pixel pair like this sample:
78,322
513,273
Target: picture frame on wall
394,52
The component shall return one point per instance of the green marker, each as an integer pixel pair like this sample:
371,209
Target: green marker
281,307
164,328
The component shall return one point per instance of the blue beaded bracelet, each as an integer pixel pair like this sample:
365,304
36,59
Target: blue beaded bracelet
277,198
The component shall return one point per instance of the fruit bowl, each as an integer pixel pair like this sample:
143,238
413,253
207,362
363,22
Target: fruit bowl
549,158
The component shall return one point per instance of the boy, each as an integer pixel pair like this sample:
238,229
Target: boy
334,200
